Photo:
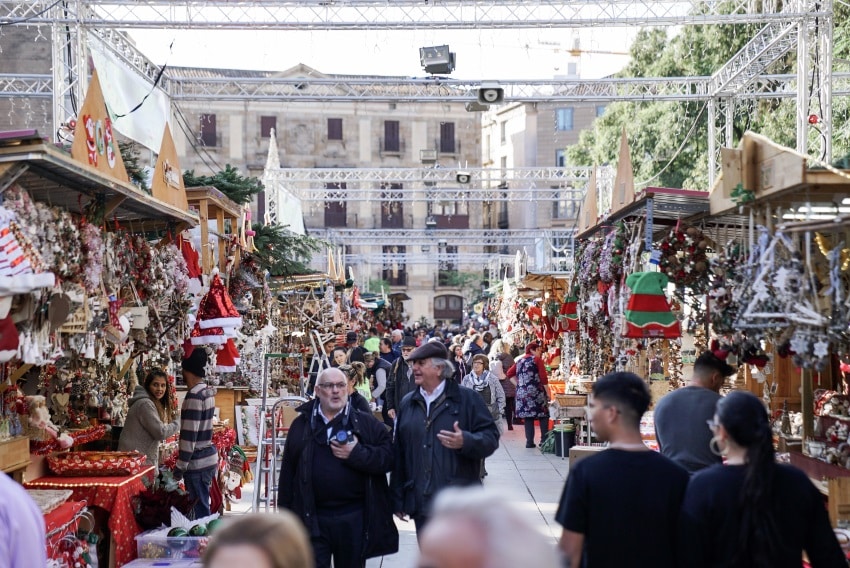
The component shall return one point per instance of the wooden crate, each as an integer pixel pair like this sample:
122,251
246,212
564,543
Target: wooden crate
14,453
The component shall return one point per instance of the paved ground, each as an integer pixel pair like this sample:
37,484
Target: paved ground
532,480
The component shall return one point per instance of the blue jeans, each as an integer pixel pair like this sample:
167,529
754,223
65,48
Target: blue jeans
198,486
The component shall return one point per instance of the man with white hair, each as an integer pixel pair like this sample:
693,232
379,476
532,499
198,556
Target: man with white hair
476,528
443,431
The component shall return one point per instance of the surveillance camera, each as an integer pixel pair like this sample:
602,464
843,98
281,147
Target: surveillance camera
463,177
491,94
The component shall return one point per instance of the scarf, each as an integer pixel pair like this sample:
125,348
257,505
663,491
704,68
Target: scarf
480,382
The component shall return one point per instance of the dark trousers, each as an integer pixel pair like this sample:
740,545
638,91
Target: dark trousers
198,487
529,429
341,538
510,409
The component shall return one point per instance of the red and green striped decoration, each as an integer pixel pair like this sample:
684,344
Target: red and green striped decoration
648,313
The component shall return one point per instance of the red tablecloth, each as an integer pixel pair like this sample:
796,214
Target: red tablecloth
114,494
60,522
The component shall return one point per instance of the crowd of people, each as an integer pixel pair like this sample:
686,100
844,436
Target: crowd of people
713,496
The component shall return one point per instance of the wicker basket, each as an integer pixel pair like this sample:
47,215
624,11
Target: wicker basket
571,399
91,464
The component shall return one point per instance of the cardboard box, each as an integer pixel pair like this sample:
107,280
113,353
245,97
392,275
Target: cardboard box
578,453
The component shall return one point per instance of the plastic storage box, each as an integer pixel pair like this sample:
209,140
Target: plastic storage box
157,544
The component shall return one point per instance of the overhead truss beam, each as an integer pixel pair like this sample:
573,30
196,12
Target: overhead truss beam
400,91
430,184
458,237
409,14
428,257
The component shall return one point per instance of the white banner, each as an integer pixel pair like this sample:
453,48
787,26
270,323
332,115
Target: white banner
123,89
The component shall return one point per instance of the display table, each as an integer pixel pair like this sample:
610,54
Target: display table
113,494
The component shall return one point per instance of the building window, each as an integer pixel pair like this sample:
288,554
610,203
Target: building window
394,272
448,308
600,110
503,132
391,139
336,209
334,129
447,137
564,119
566,207
208,135
447,273
267,123
561,158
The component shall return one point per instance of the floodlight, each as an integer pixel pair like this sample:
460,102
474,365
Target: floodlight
475,106
437,59
491,94
463,177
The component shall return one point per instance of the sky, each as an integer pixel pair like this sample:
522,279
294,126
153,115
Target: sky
481,54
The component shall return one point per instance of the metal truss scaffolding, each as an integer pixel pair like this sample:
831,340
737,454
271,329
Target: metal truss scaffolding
312,185
473,237
412,14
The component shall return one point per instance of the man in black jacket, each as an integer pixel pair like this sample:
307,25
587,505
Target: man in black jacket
400,379
443,431
333,477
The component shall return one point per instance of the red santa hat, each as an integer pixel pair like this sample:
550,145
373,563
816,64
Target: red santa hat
227,358
216,308
8,339
211,336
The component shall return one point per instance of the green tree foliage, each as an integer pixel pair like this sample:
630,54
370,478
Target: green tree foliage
657,130
282,252
130,155
228,181
469,283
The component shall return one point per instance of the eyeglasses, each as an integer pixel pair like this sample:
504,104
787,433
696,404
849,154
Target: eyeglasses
332,386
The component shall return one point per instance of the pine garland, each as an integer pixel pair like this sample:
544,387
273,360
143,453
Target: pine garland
282,252
130,154
239,189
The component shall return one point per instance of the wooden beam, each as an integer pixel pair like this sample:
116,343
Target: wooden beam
113,204
206,253
222,242
10,172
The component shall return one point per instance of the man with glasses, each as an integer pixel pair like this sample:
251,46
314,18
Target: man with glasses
621,506
680,416
333,476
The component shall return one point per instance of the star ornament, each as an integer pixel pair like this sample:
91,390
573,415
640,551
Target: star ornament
821,349
799,344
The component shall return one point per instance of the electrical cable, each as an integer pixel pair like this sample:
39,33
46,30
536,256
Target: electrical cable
14,22
679,150
190,138
153,87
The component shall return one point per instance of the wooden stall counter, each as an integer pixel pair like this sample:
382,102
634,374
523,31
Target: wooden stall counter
15,456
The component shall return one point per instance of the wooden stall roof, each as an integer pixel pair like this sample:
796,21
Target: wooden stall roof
536,283
51,176
216,201
667,206
298,281
778,176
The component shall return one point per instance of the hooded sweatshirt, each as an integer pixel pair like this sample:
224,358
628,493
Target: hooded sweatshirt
143,429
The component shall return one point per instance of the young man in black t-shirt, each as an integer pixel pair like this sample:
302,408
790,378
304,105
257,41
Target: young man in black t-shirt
621,506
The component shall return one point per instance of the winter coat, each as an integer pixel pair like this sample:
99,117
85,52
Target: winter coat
143,429
399,383
492,394
373,456
423,466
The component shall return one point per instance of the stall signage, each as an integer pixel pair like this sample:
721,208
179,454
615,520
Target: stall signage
99,140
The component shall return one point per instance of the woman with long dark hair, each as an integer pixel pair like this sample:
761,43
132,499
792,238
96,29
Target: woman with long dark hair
150,419
752,512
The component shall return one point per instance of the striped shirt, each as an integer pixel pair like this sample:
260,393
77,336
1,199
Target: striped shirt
196,428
